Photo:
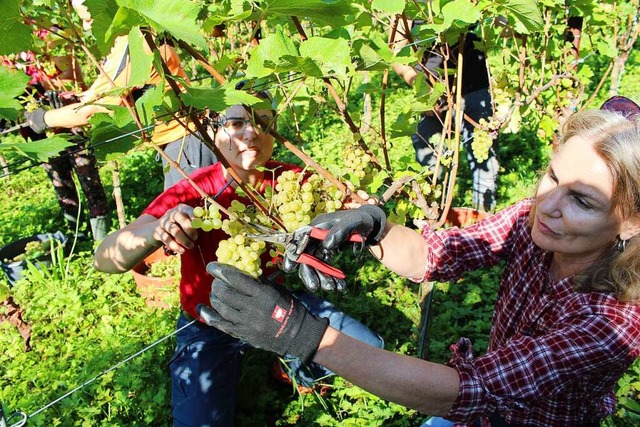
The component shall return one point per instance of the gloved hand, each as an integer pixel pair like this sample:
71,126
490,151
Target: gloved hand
53,96
263,315
35,120
368,221
312,278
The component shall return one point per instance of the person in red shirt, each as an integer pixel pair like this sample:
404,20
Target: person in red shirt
206,366
566,324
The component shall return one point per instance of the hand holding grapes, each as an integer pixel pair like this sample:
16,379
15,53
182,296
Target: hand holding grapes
175,230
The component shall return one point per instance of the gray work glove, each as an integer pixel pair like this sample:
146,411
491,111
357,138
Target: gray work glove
35,120
264,315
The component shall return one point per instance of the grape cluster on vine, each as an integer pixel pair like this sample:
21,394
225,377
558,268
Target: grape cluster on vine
296,199
207,218
357,165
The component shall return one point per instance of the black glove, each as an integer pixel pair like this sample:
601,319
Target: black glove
35,120
368,221
53,96
263,315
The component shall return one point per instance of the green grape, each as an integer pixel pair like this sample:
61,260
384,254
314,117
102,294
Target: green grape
207,218
198,211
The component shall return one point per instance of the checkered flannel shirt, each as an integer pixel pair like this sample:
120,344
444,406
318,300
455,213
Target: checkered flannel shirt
554,355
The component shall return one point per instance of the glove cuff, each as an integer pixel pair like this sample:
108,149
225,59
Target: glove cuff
36,121
379,223
309,336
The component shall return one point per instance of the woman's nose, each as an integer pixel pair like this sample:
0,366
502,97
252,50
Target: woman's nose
549,203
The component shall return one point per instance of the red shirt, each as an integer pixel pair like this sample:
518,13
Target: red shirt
554,355
195,282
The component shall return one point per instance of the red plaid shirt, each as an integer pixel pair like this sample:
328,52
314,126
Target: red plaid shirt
554,355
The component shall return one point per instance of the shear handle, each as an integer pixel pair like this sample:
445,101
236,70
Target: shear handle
321,234
320,266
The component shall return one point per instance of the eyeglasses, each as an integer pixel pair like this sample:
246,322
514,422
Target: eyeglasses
235,126
622,105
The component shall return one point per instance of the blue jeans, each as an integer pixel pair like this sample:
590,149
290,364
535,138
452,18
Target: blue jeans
437,422
477,105
206,366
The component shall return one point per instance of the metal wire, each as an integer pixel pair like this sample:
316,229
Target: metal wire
117,365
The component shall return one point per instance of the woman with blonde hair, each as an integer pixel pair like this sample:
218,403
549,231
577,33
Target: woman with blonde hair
566,324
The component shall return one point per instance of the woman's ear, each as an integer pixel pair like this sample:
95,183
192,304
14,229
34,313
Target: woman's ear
630,228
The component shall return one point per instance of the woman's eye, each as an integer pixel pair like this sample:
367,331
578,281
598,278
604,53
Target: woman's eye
582,202
235,124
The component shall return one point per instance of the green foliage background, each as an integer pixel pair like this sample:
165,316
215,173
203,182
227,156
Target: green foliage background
84,322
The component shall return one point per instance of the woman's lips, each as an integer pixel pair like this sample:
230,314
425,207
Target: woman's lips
545,229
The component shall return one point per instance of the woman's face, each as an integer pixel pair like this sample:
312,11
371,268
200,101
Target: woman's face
573,214
243,144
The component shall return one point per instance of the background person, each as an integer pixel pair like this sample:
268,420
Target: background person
48,85
476,105
566,324
206,366
180,143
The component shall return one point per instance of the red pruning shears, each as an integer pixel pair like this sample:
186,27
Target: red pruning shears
295,243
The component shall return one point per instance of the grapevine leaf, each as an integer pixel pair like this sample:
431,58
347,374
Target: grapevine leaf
306,66
389,6
374,54
14,35
378,181
149,104
332,54
114,134
12,84
271,49
102,13
125,20
141,60
608,50
218,99
456,11
403,125
178,17
335,13
42,149
527,15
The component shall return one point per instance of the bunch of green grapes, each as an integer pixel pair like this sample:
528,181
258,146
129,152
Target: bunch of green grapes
49,67
243,253
481,143
297,201
232,226
505,113
207,218
357,165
